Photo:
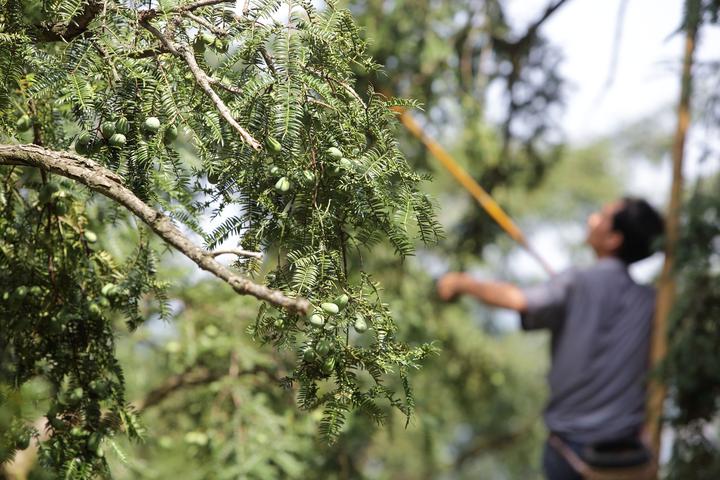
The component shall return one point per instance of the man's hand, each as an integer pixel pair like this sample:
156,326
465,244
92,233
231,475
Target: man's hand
495,294
449,286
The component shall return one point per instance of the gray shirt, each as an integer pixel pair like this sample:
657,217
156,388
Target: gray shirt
600,321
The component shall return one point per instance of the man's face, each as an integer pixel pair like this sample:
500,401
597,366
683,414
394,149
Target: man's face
600,234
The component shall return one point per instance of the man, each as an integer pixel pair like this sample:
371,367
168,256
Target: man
600,321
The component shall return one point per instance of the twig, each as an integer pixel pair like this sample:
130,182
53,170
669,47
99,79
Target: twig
109,184
203,79
235,251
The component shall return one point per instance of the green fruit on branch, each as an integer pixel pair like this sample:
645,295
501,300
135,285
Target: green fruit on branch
22,442
309,356
90,236
207,38
117,140
341,300
23,123
109,290
77,394
220,45
100,388
334,152
122,126
360,324
328,365
323,347
59,208
77,432
330,308
282,185
274,170
346,164
47,191
317,320
273,144
107,129
171,134
151,125
308,177
93,442
83,143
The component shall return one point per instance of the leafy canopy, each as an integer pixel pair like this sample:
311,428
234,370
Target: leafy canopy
195,107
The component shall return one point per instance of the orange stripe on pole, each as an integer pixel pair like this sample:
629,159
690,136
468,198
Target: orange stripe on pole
483,198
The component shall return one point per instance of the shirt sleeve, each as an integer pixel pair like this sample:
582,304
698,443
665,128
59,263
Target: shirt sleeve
546,302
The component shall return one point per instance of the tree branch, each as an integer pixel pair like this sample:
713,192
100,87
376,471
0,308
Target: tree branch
102,180
203,79
77,26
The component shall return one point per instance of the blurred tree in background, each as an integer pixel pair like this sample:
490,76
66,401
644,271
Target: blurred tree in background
203,383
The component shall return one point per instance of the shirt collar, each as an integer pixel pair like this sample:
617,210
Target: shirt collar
613,263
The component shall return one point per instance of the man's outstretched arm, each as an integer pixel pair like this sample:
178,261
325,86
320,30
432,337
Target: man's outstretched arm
496,294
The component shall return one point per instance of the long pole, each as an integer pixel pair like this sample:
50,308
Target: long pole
483,198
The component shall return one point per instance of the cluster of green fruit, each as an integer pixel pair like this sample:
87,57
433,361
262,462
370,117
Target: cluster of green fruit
284,184
319,357
114,133
207,39
318,318
56,199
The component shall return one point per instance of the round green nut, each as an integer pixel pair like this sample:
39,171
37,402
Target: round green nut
208,38
23,123
360,324
59,208
334,152
330,308
151,125
22,442
323,347
282,185
308,176
117,140
171,134
317,320
273,144
341,300
90,236
274,170
83,143
122,126
309,356
346,164
220,45
46,192
107,129
109,290
328,365
93,442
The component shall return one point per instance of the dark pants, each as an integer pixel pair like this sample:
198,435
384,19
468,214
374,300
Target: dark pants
554,464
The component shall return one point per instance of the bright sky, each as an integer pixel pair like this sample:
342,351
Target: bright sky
645,80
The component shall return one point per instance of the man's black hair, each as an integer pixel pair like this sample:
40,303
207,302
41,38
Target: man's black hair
641,225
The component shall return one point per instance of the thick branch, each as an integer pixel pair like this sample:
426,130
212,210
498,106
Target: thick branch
77,26
103,181
203,80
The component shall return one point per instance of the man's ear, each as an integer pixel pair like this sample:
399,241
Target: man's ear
614,241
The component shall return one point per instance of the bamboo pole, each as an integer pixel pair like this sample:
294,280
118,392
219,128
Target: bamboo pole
667,287
483,198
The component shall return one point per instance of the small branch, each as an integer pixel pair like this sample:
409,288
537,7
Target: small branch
204,80
235,251
204,23
109,184
77,26
189,378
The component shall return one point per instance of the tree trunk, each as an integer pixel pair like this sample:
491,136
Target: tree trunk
666,288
